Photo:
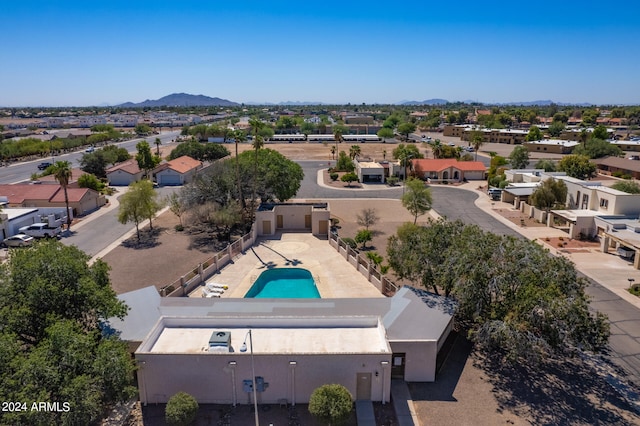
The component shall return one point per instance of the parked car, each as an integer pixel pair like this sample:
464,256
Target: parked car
43,165
40,230
90,149
20,240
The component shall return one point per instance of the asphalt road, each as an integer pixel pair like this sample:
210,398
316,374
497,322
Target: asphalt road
20,172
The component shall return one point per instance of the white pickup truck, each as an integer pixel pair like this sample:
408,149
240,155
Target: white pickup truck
40,230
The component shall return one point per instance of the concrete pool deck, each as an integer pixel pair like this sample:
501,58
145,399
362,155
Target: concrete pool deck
334,276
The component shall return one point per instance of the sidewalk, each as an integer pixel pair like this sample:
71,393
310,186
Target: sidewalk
607,269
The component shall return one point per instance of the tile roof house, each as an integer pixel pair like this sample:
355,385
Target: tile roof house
178,171
81,200
448,169
124,173
73,182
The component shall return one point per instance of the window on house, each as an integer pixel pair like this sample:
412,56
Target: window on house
604,203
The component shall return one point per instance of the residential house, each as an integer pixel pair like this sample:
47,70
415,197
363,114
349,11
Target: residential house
611,165
178,171
551,146
124,173
81,200
448,170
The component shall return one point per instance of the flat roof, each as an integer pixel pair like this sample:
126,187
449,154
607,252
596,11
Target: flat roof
398,313
276,340
370,165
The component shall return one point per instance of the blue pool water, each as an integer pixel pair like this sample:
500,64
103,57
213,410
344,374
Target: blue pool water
292,283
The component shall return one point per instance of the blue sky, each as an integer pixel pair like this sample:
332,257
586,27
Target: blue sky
61,53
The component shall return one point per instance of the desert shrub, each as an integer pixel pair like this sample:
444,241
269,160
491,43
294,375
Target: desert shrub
181,410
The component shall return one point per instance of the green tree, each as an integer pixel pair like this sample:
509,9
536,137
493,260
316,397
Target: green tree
598,148
102,128
344,163
146,160
181,409
600,132
199,151
91,182
535,134
137,204
628,186
519,157
405,129
363,236
417,198
513,297
349,177
114,154
374,258
546,165
62,172
176,205
367,217
555,129
331,404
95,163
551,193
385,133
53,308
577,166
142,130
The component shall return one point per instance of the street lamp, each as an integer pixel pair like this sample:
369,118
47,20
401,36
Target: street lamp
243,348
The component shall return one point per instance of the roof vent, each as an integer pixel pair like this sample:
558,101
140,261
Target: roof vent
220,341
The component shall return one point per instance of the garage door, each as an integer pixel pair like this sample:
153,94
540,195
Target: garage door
169,180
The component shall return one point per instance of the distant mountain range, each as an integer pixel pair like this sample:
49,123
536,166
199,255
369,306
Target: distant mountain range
187,100
528,103
181,99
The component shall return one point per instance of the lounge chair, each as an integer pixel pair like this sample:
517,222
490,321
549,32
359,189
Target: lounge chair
216,286
210,293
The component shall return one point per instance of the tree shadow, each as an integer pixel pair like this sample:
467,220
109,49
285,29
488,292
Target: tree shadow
569,391
148,239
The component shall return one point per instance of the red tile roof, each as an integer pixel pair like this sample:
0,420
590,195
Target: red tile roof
129,166
183,164
18,193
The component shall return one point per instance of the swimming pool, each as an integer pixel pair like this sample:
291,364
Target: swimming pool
290,283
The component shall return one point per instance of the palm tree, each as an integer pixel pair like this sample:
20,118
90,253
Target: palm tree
437,148
158,142
239,137
354,151
477,140
62,173
337,135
